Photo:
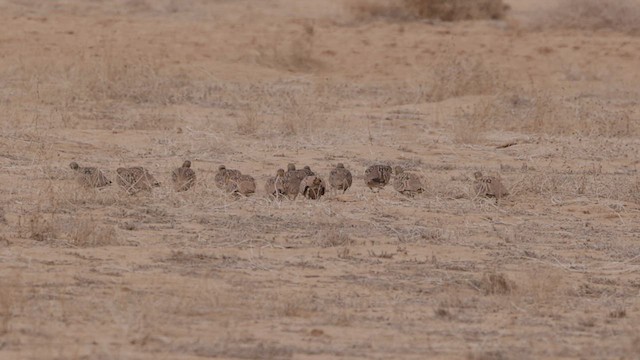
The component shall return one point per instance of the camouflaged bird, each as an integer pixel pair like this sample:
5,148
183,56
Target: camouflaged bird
241,185
340,178
407,183
377,176
292,179
223,175
312,187
305,171
135,179
489,186
183,177
89,176
275,186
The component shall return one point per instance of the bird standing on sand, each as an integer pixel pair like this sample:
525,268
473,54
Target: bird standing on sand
275,186
305,171
407,183
183,177
89,176
312,187
292,179
241,185
377,176
340,178
489,186
135,179
223,175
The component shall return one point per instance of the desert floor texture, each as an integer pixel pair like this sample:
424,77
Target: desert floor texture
552,271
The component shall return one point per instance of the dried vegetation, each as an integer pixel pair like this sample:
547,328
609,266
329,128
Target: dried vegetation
592,15
445,10
92,273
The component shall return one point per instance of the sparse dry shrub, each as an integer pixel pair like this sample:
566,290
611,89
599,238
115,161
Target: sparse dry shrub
150,120
618,313
457,10
3,219
493,283
487,355
248,123
597,185
467,132
455,76
538,112
377,9
445,10
109,81
39,226
294,54
332,237
190,258
292,107
87,233
592,15
120,76
298,113
296,306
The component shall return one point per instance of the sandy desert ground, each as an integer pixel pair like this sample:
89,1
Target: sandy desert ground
551,107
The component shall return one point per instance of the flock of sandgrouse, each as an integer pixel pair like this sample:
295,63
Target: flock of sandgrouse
289,183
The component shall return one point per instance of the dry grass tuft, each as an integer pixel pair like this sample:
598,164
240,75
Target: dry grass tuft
457,10
295,55
190,258
248,123
371,9
618,313
39,226
593,15
493,283
456,76
333,237
88,233
445,10
487,355
539,112
115,76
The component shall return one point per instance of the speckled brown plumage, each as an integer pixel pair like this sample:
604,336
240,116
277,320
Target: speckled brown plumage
291,181
223,175
136,179
407,183
312,187
275,186
241,185
89,176
183,177
489,186
377,176
340,178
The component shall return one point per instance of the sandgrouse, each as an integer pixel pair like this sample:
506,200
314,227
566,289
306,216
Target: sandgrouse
489,186
407,183
275,186
135,179
340,178
377,176
312,187
183,177
89,176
